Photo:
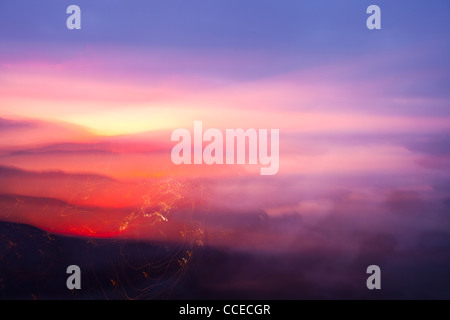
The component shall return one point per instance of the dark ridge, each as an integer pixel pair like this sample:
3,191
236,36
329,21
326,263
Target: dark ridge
33,265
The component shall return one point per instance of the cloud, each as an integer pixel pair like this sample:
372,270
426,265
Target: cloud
11,125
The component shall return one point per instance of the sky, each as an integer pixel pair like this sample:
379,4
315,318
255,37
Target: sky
364,117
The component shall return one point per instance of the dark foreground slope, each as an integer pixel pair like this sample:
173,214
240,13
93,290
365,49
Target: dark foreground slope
33,265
